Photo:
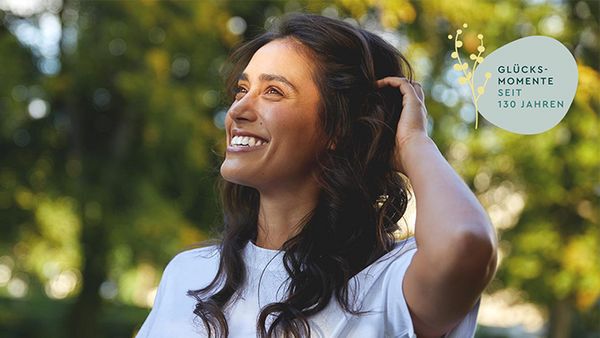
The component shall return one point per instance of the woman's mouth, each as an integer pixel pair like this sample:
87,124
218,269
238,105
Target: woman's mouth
245,143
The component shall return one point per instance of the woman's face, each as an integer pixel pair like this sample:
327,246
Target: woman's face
272,126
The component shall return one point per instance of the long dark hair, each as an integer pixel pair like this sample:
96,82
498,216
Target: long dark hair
361,197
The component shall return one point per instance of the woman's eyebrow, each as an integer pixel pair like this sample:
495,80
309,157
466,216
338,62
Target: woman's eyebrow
270,77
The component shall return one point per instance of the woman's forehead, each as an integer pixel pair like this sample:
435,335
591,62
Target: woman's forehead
282,57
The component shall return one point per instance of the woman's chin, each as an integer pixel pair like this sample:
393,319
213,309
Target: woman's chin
236,176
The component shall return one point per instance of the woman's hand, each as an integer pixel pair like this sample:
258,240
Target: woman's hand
413,119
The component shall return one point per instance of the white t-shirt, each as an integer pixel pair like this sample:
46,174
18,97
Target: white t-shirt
378,288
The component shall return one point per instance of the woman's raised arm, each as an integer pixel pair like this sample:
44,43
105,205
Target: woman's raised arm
456,256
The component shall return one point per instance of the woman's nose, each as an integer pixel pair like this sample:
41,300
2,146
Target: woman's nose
243,109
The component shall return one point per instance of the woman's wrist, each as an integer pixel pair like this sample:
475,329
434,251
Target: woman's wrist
409,150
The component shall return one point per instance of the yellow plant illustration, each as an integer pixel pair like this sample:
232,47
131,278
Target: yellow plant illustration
464,67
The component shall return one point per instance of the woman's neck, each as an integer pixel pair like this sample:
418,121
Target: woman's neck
281,215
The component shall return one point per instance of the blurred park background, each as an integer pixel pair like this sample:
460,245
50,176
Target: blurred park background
111,136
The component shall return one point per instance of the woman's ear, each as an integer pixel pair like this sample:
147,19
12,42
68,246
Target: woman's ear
331,145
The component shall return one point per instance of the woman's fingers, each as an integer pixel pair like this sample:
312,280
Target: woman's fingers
419,91
413,118
410,91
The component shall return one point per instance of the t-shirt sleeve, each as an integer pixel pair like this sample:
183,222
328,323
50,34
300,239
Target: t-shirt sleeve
399,322
398,308
160,294
467,327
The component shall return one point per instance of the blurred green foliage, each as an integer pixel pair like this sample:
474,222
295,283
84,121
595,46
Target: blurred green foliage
110,144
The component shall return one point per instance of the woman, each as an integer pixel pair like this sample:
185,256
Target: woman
323,118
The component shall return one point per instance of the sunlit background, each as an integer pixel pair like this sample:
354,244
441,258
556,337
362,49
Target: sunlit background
111,118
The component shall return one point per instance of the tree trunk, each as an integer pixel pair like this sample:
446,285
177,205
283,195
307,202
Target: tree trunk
561,317
83,319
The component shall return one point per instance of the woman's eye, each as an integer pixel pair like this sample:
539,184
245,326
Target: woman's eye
272,90
239,89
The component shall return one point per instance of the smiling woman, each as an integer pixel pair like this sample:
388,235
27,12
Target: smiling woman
278,105
322,119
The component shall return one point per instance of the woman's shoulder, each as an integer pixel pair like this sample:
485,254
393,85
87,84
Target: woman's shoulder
400,254
393,263
194,258
405,245
199,253
193,267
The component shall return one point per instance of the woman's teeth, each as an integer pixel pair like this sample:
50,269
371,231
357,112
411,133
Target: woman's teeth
246,141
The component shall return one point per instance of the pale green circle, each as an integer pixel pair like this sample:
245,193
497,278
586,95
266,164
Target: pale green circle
532,85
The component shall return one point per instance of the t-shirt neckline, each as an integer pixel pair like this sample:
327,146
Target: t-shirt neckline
259,257
272,259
